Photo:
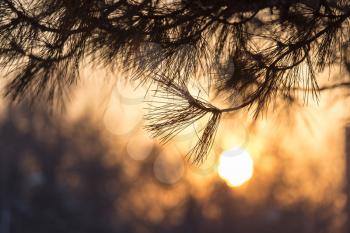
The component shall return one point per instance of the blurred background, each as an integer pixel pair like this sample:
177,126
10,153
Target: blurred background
93,168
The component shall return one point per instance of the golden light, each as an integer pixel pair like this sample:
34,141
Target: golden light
235,166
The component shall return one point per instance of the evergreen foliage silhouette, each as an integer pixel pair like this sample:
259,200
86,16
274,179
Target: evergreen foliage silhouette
253,51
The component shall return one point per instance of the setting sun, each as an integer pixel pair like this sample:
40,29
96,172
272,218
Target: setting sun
235,166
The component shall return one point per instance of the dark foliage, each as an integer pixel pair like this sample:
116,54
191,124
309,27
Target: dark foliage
260,49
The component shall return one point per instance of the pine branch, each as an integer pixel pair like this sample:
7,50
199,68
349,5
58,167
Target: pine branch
260,49
174,109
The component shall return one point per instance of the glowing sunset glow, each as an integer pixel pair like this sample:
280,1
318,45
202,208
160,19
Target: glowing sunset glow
235,166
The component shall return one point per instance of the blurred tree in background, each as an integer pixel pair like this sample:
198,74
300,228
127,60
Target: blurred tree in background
63,177
252,52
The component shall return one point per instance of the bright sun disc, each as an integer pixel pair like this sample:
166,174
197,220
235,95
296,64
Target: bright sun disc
235,166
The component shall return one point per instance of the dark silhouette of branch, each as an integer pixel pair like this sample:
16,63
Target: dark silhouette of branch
176,109
257,50
334,86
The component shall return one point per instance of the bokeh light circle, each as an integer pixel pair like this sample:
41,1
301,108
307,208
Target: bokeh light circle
169,168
